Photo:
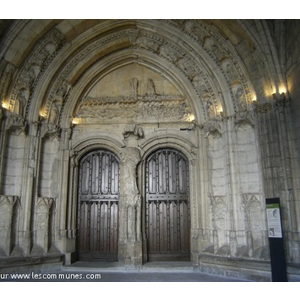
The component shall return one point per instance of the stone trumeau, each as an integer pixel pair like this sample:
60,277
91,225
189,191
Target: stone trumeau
137,140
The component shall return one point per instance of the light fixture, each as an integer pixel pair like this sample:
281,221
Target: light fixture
190,118
76,121
5,105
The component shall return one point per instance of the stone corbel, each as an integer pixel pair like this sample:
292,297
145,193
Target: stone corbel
133,129
281,100
51,130
243,118
15,123
261,108
213,127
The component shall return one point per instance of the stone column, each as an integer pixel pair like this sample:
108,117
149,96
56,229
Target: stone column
130,243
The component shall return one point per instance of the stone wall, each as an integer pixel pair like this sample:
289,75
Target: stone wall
293,72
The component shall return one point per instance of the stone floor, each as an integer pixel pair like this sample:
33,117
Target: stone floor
114,272
149,272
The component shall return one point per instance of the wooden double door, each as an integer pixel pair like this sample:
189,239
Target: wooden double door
167,211
167,206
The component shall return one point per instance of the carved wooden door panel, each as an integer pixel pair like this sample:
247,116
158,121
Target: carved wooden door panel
98,199
167,206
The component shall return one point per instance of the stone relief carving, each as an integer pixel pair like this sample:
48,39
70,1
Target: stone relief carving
43,206
75,61
220,211
151,107
240,97
151,90
43,213
185,61
253,212
217,47
8,220
9,201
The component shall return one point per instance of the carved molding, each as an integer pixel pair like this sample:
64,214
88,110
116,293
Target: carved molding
34,66
184,57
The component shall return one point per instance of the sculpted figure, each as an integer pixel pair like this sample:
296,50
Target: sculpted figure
21,101
134,88
54,113
151,88
240,97
130,158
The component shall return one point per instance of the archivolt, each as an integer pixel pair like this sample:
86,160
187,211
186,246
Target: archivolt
199,57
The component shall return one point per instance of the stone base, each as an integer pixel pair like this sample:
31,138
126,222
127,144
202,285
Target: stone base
130,254
253,270
36,264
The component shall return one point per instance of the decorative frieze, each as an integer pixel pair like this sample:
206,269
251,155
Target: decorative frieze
150,107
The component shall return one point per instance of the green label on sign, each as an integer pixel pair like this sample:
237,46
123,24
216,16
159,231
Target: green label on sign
272,205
